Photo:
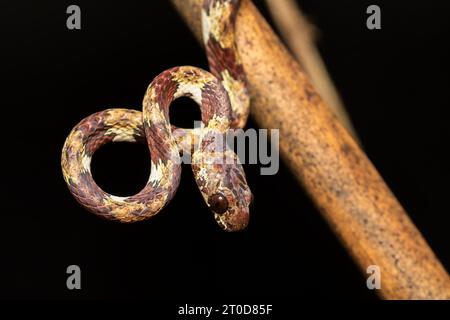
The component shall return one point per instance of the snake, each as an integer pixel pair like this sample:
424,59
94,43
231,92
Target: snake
223,96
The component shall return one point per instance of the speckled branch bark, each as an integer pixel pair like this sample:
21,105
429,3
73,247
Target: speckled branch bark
336,173
298,33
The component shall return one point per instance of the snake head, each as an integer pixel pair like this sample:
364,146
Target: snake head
231,208
227,194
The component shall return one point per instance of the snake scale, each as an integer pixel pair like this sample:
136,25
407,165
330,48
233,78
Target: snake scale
224,103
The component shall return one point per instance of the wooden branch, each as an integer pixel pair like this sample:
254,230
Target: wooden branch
322,155
298,33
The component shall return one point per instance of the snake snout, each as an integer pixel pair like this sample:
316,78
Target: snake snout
234,220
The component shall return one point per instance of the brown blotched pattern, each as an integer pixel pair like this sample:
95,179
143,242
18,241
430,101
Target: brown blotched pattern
218,19
224,103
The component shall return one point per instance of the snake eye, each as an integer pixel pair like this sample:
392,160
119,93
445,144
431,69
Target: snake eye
218,203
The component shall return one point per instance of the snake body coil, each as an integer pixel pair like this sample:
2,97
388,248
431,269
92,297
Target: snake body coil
224,104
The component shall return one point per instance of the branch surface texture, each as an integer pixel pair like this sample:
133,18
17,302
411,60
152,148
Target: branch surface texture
298,33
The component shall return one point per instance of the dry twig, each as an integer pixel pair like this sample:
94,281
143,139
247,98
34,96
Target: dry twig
299,33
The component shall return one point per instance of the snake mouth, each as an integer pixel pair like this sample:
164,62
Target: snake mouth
236,220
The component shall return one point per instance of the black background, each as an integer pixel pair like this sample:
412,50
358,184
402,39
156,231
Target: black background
394,83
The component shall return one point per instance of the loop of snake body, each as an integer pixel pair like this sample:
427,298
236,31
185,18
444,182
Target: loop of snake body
224,104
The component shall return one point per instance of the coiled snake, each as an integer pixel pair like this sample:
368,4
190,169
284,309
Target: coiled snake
224,104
